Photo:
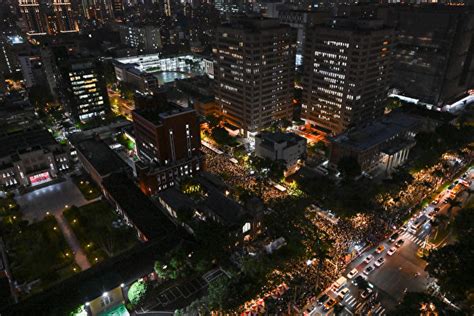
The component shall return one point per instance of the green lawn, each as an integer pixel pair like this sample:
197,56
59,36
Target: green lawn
88,189
94,226
38,252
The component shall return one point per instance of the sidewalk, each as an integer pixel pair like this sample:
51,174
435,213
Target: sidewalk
79,254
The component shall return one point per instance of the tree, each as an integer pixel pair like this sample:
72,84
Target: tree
222,137
421,304
349,166
161,269
452,266
137,292
126,90
213,120
321,252
218,293
40,96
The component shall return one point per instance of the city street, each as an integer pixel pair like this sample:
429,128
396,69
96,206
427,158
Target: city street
401,272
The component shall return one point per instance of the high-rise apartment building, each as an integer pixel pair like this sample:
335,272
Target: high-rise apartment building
98,10
117,9
254,72
83,89
347,66
66,20
34,18
146,38
48,17
167,141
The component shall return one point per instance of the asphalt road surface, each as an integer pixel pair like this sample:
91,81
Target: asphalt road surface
402,271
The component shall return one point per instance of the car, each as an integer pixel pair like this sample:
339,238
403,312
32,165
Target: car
391,251
400,243
360,278
394,237
353,273
379,262
369,269
368,258
366,293
329,304
322,299
343,292
404,227
380,249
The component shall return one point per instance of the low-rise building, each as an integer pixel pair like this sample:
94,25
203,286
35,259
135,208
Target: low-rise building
31,157
287,147
137,209
385,144
98,159
243,223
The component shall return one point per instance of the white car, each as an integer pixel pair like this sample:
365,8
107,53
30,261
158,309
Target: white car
379,262
343,292
368,258
353,273
391,251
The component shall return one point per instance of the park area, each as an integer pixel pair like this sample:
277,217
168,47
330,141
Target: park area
38,254
100,231
88,189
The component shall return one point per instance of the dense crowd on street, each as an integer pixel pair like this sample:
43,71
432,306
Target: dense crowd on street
348,236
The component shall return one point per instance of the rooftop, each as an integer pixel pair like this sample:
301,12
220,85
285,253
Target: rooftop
379,131
104,160
148,218
24,139
162,112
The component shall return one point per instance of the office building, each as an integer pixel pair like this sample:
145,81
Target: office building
146,38
83,89
167,141
288,148
254,72
434,52
346,76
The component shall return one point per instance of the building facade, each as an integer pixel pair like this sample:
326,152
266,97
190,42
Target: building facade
287,147
146,38
31,157
347,67
84,92
48,17
381,146
167,141
254,72
433,57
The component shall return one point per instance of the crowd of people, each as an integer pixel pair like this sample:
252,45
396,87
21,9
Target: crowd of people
348,236
237,176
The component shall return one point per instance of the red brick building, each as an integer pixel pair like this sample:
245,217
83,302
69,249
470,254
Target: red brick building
168,141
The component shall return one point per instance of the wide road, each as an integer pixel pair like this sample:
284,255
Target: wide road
402,271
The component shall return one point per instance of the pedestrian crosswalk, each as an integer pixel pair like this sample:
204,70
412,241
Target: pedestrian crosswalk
415,239
350,300
379,311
